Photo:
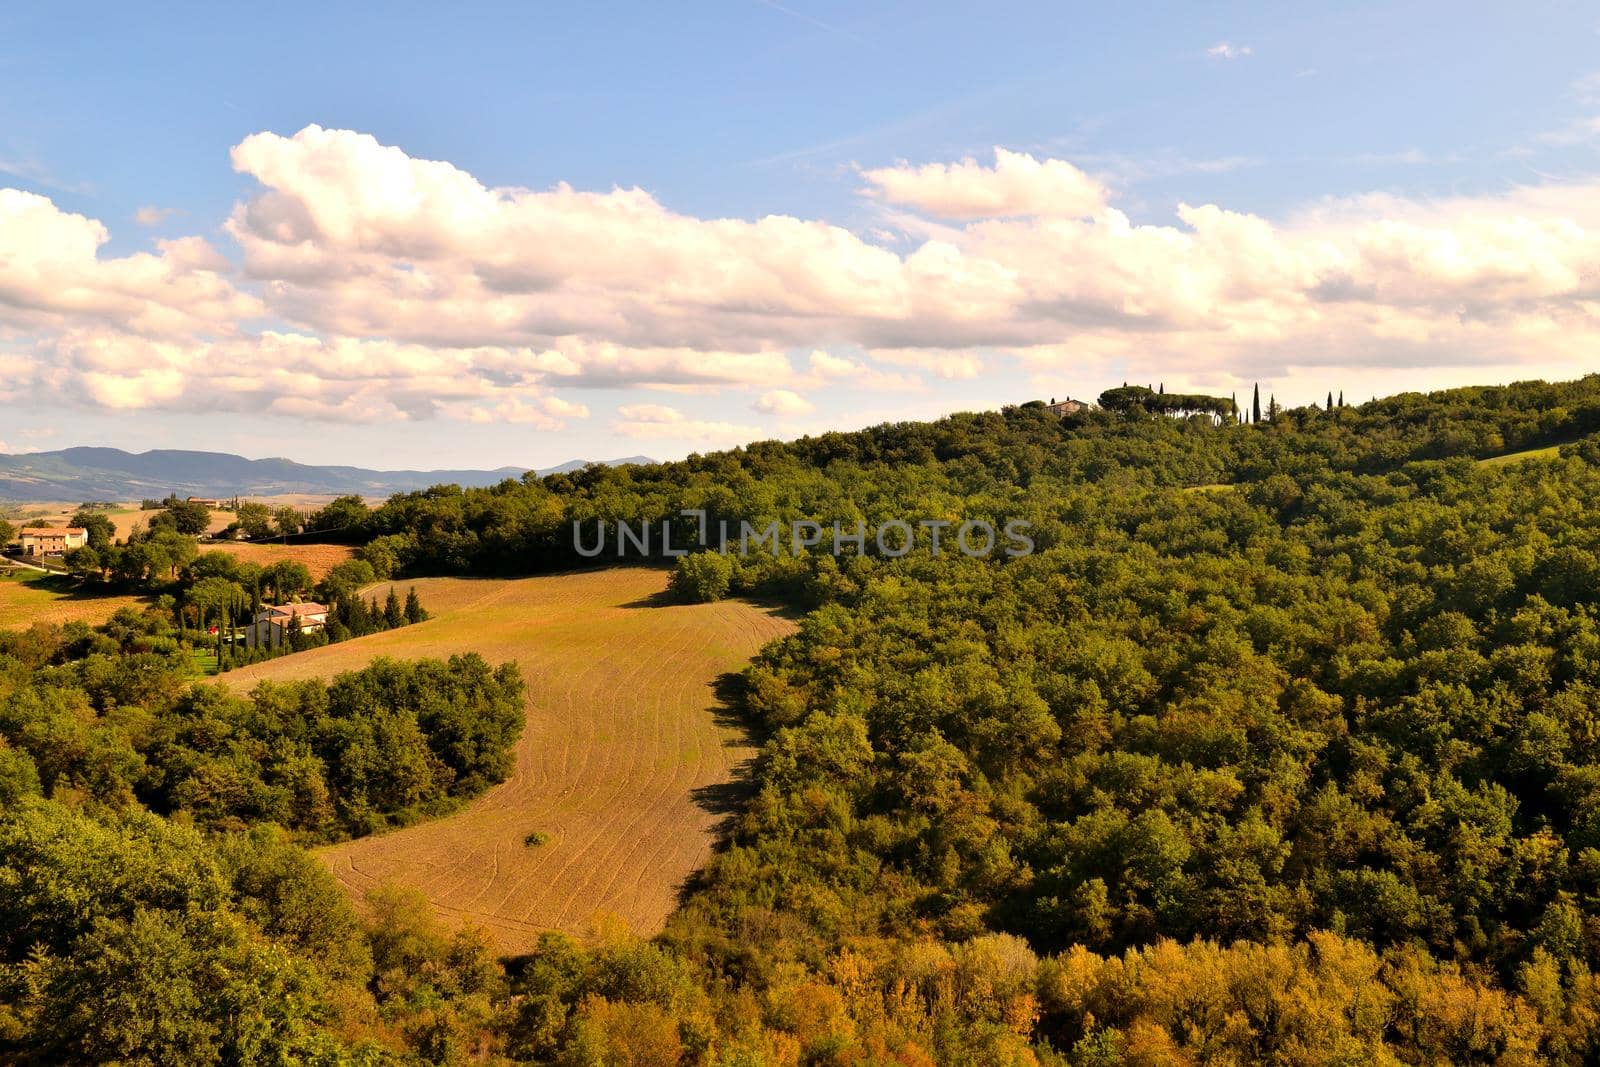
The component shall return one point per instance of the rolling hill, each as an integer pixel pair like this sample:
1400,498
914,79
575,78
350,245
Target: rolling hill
620,766
112,474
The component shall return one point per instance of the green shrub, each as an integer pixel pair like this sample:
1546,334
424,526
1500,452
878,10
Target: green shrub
702,577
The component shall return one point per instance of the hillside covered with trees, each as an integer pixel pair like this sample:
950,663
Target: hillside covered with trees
1282,746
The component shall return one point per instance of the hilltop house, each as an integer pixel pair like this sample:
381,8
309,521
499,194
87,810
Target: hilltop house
52,542
205,501
273,624
1066,407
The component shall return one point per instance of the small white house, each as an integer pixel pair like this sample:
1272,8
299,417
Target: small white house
274,623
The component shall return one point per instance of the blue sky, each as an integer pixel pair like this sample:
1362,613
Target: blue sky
1402,188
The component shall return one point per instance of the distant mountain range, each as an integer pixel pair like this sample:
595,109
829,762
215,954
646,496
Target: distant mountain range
77,474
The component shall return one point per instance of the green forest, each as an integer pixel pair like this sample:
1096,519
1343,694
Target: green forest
1282,747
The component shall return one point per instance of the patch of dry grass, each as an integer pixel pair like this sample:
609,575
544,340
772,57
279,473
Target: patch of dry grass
27,597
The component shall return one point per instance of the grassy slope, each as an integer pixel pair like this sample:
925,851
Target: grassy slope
621,738
1518,457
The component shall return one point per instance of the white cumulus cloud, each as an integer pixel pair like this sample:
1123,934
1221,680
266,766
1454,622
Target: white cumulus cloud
1016,185
52,275
783,402
825,368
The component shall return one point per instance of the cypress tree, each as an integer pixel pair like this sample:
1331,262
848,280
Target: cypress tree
392,615
1341,398
1255,405
414,612
374,614
1330,399
355,616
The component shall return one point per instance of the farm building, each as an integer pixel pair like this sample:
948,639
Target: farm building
1066,407
205,501
273,624
52,542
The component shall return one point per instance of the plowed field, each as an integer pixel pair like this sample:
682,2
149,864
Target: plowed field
622,748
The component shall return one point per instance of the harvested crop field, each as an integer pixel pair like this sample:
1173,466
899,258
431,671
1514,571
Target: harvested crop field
27,597
319,559
622,737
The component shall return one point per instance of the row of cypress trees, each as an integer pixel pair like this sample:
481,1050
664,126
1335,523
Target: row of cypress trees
350,616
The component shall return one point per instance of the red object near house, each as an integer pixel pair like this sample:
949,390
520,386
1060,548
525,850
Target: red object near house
211,630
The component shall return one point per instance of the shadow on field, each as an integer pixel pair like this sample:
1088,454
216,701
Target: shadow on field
663,599
728,708
726,799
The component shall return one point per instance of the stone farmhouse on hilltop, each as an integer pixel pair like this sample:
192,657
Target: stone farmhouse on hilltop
1067,407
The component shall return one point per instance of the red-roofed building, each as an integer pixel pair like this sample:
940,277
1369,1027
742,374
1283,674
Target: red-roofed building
275,623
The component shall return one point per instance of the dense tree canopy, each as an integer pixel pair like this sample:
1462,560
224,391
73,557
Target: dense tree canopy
1283,746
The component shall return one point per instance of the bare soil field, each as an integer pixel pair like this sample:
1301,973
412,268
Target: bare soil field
622,747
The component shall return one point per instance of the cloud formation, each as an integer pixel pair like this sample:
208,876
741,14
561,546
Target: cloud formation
291,374
1017,185
657,422
783,402
374,285
52,276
